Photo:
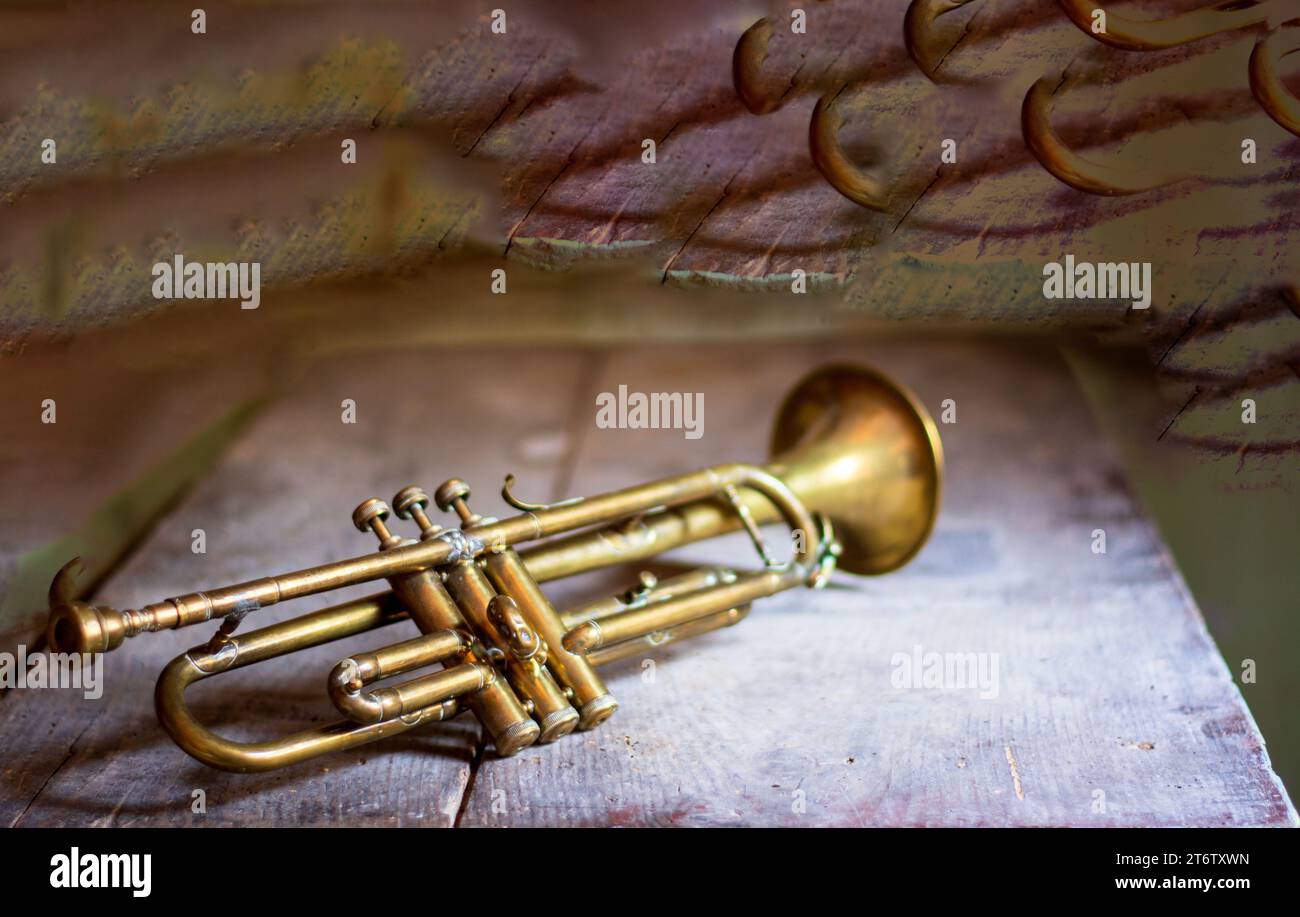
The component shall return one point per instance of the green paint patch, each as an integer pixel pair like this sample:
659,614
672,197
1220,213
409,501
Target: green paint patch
555,254
817,281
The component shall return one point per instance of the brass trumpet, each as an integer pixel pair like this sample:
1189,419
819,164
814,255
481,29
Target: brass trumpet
855,474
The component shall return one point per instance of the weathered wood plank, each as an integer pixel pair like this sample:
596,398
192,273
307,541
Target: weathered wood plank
1087,682
125,437
83,253
1108,681
282,499
1228,516
733,198
126,88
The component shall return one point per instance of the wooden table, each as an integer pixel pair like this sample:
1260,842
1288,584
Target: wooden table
1113,706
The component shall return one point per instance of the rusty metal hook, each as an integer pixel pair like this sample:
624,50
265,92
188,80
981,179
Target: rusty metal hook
1068,166
917,24
1155,34
1265,81
845,176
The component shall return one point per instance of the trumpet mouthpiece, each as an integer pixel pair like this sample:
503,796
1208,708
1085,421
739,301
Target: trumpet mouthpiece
76,627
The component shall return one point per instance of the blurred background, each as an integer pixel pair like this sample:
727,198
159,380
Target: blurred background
523,151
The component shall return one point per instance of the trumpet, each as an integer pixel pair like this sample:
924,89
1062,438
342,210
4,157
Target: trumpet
855,474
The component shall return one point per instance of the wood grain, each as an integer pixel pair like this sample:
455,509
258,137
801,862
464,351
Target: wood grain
732,200
129,434
1108,680
283,497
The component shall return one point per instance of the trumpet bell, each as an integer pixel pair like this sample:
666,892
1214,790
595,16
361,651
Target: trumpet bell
856,446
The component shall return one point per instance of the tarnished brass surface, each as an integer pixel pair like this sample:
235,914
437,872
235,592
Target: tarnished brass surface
851,441
1155,34
1266,80
855,473
917,25
746,66
1068,166
846,177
